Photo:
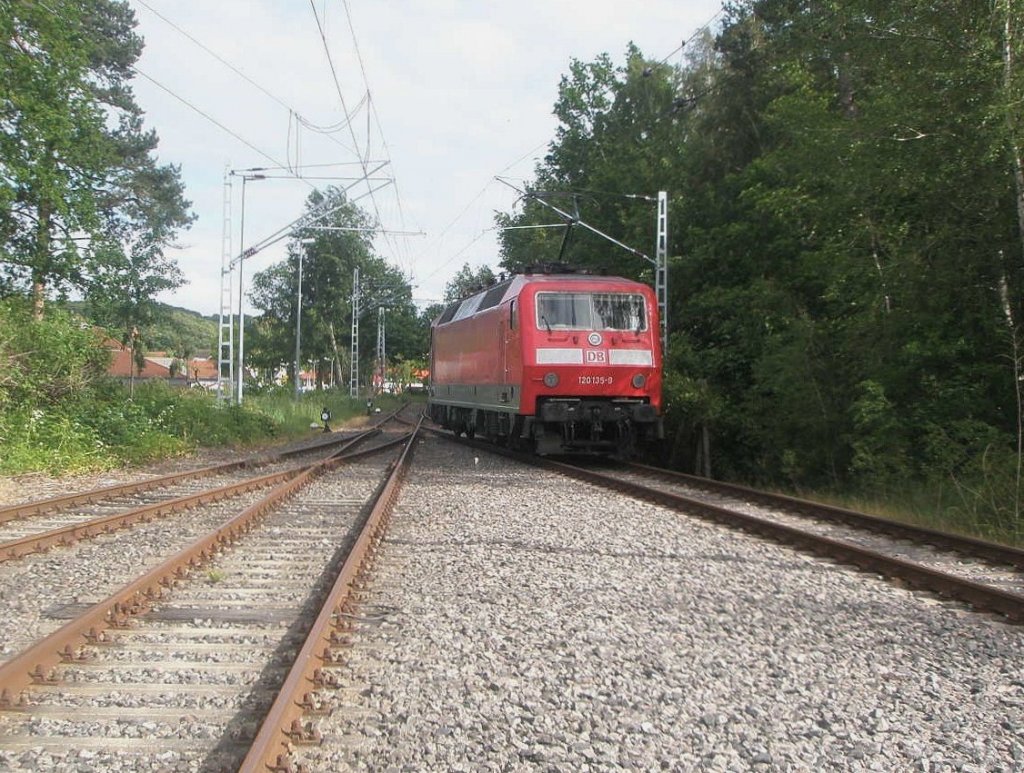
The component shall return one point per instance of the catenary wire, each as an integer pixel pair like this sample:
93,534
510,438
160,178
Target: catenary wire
371,109
341,97
235,70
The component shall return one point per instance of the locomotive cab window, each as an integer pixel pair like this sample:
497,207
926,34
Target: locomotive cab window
512,314
591,311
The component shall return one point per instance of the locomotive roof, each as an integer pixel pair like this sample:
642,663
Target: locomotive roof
572,278
495,294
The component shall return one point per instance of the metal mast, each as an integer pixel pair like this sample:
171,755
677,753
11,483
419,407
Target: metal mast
353,373
225,338
661,269
381,348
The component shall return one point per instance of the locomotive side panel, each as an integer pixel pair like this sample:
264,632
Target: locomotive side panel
470,362
476,356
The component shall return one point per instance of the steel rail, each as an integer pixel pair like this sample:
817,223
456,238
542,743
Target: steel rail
978,595
36,665
36,507
283,727
917,575
67,535
972,546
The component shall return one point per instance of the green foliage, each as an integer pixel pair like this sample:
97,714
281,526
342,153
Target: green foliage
36,440
880,453
466,282
59,413
180,332
83,201
298,418
328,265
845,204
47,361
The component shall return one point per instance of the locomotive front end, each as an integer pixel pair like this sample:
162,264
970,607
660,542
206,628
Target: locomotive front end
594,381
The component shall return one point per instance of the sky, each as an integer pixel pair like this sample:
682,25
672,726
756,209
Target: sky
444,96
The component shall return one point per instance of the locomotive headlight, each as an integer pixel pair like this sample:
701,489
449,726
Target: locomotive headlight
639,380
550,380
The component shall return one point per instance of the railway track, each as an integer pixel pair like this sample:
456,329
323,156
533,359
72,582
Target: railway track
165,482
988,576
235,658
179,668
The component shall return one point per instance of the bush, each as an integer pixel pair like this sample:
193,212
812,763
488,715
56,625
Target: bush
191,417
47,361
59,413
37,440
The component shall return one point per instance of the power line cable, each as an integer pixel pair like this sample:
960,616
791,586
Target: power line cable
702,28
213,53
372,110
482,191
233,69
310,166
341,97
477,238
207,116
465,209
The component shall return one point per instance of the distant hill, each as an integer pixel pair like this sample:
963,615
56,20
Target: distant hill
178,331
177,327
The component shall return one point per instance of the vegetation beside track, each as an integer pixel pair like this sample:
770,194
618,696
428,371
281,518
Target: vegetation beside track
60,414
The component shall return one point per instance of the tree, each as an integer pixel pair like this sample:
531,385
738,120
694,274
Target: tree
614,145
466,282
80,189
328,264
846,232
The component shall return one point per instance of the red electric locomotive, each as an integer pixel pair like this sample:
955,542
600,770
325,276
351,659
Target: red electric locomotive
563,363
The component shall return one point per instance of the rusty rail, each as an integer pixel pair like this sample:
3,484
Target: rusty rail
66,535
283,728
970,546
35,507
37,664
982,597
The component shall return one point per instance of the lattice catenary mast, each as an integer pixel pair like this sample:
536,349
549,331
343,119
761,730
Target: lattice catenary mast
225,337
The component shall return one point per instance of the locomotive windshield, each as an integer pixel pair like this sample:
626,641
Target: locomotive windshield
591,311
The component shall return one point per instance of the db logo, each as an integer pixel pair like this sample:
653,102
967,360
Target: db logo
596,356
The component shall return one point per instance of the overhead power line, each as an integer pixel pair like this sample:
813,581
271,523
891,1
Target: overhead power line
341,97
702,28
192,38
349,115
474,200
213,53
372,109
206,115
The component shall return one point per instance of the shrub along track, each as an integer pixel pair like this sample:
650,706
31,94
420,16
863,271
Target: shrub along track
178,667
34,526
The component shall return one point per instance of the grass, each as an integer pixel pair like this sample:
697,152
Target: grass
105,429
948,506
295,418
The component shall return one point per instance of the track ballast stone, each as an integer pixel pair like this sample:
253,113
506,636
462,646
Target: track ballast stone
518,619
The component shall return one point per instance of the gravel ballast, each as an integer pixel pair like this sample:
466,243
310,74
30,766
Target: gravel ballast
517,619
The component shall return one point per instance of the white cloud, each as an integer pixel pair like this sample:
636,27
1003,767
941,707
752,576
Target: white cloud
462,90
